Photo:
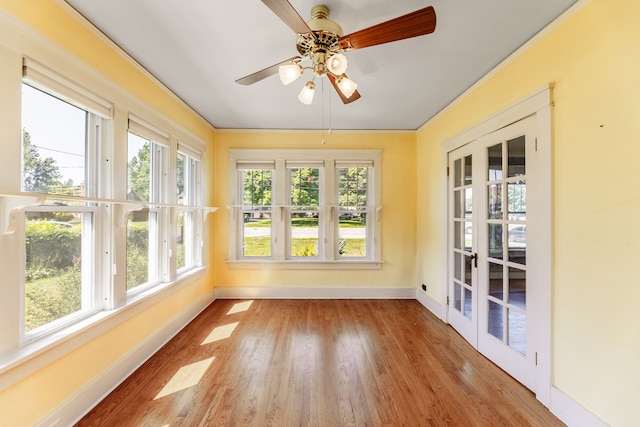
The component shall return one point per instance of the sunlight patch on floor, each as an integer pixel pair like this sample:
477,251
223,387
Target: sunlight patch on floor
240,307
186,377
220,333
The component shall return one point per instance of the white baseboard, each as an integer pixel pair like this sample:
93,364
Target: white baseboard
86,398
571,412
248,292
429,303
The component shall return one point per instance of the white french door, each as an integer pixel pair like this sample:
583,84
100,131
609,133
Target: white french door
489,286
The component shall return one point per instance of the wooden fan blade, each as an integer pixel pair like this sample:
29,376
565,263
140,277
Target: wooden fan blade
354,97
413,24
267,72
286,12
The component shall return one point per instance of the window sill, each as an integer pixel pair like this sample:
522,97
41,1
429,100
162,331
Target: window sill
36,355
305,265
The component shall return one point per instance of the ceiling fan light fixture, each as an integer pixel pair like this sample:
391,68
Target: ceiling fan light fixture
346,86
307,92
289,73
337,64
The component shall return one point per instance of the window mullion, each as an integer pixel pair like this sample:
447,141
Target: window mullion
329,189
279,200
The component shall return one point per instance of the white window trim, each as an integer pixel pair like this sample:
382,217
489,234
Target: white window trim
267,158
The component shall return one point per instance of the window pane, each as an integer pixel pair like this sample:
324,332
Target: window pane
304,234
54,144
139,176
139,247
352,214
353,235
257,187
55,267
304,196
256,241
180,239
180,181
353,185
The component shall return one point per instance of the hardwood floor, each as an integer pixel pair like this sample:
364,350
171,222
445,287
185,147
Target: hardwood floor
319,363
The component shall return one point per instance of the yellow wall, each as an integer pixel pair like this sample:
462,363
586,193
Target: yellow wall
593,58
398,210
30,400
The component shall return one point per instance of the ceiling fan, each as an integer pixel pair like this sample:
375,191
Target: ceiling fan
322,42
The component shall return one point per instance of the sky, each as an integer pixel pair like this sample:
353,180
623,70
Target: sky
57,129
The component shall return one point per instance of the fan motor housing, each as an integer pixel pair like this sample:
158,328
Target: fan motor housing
327,33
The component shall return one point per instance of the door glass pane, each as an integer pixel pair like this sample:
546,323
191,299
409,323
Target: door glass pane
518,287
516,153
457,297
496,276
518,330
467,270
495,162
468,203
468,235
457,266
468,165
496,322
457,173
457,204
495,241
495,201
518,243
517,200
457,235
467,303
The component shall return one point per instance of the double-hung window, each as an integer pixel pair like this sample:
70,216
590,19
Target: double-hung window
304,208
148,165
64,129
188,221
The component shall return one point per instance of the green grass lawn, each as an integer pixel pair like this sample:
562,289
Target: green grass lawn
260,247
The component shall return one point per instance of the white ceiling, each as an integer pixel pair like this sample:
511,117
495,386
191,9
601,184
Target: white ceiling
198,48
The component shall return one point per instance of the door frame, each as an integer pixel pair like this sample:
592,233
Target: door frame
540,105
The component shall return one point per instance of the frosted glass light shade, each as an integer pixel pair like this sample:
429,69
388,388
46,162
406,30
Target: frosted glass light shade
307,92
289,73
346,86
337,64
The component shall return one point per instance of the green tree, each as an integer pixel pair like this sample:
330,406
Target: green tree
305,186
140,172
38,175
353,186
257,187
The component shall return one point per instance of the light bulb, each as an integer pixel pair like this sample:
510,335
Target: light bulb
337,64
307,92
289,73
347,87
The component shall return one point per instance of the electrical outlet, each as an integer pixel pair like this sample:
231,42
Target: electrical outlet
424,287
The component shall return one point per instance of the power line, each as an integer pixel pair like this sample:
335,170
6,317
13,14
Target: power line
58,151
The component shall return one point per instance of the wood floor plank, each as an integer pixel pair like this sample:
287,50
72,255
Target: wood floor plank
319,363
